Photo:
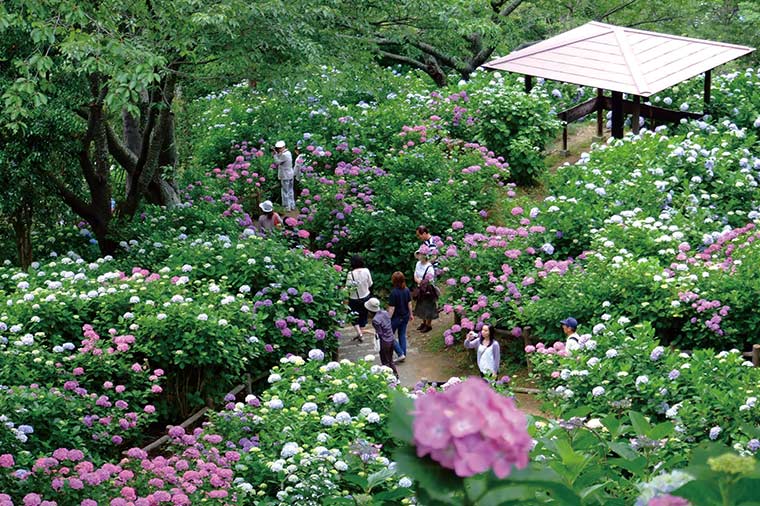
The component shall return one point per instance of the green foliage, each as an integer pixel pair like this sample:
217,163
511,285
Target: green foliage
325,423
618,368
516,126
95,398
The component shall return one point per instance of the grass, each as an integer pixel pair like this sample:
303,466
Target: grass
579,139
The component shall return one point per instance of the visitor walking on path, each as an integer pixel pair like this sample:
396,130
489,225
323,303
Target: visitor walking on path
381,322
488,350
569,327
283,160
426,306
270,219
358,281
400,309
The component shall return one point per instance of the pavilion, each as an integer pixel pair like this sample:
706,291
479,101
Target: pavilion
622,60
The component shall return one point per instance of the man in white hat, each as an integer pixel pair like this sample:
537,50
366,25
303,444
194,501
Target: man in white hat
283,160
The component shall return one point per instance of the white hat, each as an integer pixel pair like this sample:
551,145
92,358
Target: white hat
266,206
372,305
279,144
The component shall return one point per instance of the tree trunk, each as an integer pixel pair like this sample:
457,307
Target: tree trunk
160,139
163,191
433,69
100,228
132,140
22,226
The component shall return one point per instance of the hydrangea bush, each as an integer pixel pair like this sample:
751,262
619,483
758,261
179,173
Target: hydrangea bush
620,366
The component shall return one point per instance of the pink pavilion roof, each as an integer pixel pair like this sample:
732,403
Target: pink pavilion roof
618,58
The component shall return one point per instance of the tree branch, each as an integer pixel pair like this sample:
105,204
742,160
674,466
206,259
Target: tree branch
477,60
76,204
657,20
402,59
509,9
618,8
121,153
438,54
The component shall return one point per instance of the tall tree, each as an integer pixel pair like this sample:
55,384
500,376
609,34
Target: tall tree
455,37
439,38
122,64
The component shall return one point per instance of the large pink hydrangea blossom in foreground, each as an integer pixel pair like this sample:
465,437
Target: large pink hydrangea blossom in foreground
470,428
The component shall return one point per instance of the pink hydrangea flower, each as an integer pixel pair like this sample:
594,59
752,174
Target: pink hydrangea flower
668,500
6,460
470,428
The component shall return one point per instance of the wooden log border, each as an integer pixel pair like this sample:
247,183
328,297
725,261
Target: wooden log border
247,385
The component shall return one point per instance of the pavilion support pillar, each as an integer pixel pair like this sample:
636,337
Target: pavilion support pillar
636,114
528,83
617,114
708,89
599,115
565,151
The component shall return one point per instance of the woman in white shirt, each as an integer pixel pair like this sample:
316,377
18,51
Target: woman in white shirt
426,307
358,281
488,350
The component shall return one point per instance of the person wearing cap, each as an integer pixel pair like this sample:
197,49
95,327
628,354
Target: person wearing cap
426,308
381,322
569,327
283,160
270,219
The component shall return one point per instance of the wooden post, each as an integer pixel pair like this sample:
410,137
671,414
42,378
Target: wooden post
756,355
617,114
565,152
636,114
526,342
528,83
708,86
599,114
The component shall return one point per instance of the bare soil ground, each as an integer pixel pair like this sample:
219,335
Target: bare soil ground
428,359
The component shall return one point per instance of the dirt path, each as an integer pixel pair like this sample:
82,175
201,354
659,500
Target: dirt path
428,359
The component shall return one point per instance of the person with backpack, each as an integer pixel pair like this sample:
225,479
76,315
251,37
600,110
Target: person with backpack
425,293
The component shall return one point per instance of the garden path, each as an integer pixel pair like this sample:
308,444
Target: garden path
428,359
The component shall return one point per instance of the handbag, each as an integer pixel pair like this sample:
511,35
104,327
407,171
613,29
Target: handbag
377,344
425,289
